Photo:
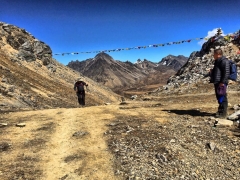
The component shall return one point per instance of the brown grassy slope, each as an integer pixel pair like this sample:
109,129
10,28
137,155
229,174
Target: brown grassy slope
152,82
32,85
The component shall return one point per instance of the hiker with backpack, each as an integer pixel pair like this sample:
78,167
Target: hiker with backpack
80,91
219,76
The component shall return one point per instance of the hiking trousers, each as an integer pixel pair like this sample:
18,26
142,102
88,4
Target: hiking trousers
81,98
222,101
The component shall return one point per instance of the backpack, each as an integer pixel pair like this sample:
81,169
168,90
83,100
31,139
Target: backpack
80,86
233,71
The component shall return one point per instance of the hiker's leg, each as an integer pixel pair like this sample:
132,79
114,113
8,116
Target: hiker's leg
219,111
224,106
79,98
83,99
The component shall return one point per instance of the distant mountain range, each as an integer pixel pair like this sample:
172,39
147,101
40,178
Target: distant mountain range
123,75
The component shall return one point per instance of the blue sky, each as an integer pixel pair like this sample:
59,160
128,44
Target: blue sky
90,25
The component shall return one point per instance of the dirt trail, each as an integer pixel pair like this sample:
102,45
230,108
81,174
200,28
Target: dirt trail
59,146
49,137
72,157
46,148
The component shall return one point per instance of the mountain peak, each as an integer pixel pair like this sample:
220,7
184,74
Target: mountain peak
174,61
103,55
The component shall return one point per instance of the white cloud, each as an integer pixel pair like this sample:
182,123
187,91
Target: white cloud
210,34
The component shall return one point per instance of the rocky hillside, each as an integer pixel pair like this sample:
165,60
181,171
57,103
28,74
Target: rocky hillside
32,79
124,75
194,72
175,62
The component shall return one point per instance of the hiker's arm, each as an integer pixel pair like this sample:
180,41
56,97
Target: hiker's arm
75,87
85,84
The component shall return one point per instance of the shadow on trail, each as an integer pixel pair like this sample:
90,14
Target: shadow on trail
191,112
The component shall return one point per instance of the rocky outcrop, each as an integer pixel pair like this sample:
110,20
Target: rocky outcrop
26,46
197,68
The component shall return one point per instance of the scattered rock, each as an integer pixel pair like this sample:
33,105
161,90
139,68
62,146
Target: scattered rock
234,116
112,124
161,157
193,126
133,97
64,177
146,99
172,141
80,134
224,122
4,146
3,125
4,79
123,103
150,151
51,68
21,124
212,145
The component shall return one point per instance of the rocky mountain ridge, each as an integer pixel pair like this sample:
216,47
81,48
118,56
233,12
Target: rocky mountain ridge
176,62
32,79
116,74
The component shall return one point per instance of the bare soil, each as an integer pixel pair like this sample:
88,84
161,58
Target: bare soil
46,148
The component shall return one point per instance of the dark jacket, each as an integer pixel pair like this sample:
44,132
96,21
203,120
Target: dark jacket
79,85
220,71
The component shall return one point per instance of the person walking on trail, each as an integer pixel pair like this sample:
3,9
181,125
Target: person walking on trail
219,77
80,91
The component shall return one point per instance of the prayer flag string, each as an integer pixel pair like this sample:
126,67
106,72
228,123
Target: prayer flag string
214,38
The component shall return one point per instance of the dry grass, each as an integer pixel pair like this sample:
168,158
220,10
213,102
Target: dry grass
46,149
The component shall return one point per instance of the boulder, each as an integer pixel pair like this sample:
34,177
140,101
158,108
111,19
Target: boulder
234,116
42,50
27,46
224,122
26,55
46,61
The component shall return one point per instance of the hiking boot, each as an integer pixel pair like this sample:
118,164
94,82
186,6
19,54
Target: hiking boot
223,116
217,114
224,110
